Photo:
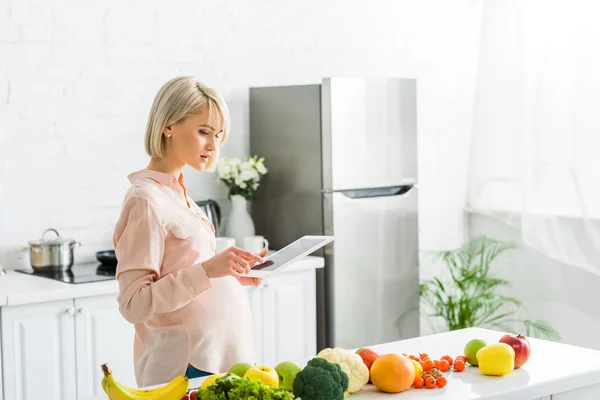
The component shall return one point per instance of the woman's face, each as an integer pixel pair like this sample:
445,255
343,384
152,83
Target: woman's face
195,139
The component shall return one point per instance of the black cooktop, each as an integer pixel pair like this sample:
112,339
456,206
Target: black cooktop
79,273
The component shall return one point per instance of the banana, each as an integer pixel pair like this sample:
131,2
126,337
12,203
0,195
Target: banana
115,390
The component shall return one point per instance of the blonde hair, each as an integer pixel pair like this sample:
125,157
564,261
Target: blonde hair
176,100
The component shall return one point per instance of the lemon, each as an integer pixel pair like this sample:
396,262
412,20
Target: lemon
418,369
210,380
496,359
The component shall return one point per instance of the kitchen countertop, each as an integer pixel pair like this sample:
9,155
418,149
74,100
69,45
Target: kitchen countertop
552,368
17,288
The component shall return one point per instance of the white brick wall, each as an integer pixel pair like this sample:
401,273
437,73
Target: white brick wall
77,80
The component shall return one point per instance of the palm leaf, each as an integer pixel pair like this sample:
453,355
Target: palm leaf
492,283
486,311
497,318
540,329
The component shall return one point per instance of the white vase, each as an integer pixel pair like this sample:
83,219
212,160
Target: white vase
239,223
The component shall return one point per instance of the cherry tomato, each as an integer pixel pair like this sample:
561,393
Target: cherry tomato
411,357
436,363
444,366
430,382
194,395
419,382
186,397
427,365
417,359
459,365
447,358
423,355
441,381
463,358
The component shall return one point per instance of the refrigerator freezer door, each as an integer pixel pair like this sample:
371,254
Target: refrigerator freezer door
372,273
369,132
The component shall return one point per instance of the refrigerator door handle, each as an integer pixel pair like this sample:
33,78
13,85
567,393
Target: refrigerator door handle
399,190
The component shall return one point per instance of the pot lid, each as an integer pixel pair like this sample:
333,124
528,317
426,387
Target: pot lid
53,241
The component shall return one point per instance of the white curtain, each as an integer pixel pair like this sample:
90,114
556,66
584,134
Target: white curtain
535,148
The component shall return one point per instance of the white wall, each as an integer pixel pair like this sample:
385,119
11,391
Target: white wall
77,80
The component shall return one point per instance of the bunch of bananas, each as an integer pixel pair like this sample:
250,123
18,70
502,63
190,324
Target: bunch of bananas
174,390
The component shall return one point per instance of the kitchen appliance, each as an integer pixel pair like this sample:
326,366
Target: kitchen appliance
79,273
52,255
107,258
213,211
342,160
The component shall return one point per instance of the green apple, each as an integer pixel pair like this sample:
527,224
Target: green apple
287,371
472,348
239,369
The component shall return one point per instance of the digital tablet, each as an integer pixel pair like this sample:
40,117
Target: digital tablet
290,253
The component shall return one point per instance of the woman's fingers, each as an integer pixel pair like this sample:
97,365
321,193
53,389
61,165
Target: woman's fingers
244,264
238,263
263,252
248,281
233,271
248,255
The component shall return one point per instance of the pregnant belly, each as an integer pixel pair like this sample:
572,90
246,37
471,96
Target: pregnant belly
222,307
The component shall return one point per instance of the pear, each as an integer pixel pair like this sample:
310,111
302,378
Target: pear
496,359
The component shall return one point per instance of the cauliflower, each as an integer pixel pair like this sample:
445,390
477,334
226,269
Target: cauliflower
351,363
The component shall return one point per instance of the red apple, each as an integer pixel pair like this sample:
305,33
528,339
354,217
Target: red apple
521,346
368,356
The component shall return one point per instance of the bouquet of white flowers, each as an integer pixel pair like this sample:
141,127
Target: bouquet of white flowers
242,177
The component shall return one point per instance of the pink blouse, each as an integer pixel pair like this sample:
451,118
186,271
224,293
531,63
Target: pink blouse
180,315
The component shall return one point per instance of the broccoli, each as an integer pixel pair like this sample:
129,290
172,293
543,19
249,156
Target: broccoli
320,380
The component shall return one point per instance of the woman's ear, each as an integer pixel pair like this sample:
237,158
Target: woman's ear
167,131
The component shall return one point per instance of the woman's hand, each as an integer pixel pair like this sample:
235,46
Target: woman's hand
249,281
232,261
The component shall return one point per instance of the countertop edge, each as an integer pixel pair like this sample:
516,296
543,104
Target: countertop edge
56,291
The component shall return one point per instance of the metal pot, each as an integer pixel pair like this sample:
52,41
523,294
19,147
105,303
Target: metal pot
54,255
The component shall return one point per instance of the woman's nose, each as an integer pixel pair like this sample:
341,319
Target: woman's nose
212,143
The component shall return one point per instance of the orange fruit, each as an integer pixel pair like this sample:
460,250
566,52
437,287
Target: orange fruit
392,373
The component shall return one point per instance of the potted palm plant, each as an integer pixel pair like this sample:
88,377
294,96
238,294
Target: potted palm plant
471,297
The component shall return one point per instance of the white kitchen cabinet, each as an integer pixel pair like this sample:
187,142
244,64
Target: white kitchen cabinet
285,317
255,298
102,335
38,351
54,350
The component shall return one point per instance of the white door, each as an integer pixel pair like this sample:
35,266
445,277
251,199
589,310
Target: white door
255,298
289,317
38,346
102,336
373,271
374,119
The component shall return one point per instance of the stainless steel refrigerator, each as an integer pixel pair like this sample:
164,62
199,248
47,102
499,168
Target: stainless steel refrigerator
342,161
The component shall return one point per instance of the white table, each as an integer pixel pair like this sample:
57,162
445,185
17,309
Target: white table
554,371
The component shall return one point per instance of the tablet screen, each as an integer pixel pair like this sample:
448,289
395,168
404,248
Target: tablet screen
301,247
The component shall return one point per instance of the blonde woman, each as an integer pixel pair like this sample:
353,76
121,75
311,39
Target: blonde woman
188,305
